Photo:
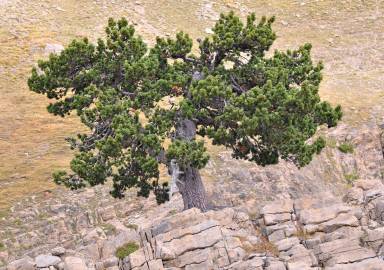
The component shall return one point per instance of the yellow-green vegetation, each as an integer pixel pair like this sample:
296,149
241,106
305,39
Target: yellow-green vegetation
346,147
3,214
108,228
2,247
172,212
132,226
331,142
351,177
126,249
18,222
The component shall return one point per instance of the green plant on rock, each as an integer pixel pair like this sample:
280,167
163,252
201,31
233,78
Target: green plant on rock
126,249
108,228
331,142
134,99
351,177
346,147
132,226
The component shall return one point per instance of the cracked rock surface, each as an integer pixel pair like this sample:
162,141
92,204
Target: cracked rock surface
311,232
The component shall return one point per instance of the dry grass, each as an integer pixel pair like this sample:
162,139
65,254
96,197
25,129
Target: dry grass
347,36
263,246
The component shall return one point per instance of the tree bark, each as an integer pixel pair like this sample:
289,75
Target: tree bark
188,180
192,189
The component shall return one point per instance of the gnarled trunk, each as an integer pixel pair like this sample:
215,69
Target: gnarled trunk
187,180
192,189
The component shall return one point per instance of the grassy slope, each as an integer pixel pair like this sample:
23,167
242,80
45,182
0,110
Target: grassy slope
347,35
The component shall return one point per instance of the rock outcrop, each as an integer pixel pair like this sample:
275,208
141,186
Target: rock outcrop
312,232
320,232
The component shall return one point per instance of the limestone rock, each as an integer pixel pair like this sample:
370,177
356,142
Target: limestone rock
369,264
46,260
278,207
74,263
58,251
137,258
22,264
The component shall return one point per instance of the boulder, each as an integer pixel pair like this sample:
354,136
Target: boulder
200,240
25,263
46,260
278,207
320,215
58,251
74,263
155,265
137,258
369,264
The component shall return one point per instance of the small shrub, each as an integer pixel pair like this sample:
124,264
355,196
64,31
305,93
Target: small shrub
346,147
132,226
126,249
2,247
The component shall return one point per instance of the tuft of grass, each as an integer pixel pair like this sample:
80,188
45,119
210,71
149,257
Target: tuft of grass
17,222
264,246
126,249
2,247
109,229
301,234
346,147
351,177
331,142
172,212
132,226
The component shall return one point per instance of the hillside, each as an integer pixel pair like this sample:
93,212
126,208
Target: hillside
327,215
346,35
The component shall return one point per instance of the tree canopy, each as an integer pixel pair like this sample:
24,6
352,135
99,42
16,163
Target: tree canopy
134,99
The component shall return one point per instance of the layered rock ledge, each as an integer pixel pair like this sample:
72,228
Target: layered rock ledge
317,232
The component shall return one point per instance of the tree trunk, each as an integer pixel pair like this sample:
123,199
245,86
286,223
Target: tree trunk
187,180
192,189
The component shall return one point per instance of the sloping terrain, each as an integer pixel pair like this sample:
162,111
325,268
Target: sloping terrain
347,36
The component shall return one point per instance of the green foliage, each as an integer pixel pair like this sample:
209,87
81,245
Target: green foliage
188,153
351,177
346,147
2,247
132,226
126,249
263,108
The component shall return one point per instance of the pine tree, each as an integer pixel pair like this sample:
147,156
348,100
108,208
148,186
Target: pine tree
150,106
